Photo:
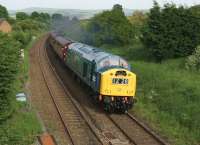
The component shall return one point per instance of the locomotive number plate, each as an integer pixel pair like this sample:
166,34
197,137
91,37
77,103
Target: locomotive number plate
119,81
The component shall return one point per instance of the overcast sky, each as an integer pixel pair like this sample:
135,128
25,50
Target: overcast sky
89,4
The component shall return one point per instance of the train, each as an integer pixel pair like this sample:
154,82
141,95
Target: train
108,76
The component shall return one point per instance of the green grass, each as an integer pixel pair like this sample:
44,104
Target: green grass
21,128
168,95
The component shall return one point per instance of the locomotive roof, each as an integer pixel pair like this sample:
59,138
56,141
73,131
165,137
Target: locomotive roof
89,52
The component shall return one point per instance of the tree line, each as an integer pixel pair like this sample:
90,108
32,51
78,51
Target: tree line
166,32
24,28
171,31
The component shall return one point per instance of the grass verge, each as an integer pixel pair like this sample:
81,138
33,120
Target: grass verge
21,128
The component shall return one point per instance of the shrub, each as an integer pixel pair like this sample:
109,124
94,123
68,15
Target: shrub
9,60
193,61
171,32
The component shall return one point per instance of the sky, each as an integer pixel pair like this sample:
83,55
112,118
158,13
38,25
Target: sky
89,4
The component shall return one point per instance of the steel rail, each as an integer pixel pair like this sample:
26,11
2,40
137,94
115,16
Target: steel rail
72,100
147,129
51,93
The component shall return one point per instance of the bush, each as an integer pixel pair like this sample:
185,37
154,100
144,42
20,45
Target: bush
171,32
23,37
193,61
9,60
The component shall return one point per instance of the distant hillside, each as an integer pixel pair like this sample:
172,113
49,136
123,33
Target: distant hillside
81,14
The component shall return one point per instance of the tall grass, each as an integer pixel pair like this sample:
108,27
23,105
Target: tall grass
20,129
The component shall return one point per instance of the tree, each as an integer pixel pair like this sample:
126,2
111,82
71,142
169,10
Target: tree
3,12
45,17
196,10
22,37
11,20
74,20
35,15
21,16
110,27
138,20
57,16
193,61
9,59
171,32
41,17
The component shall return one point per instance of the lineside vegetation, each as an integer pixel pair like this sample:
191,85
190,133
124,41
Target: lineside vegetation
18,122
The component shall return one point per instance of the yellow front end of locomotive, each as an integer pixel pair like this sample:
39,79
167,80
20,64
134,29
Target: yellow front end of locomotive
118,82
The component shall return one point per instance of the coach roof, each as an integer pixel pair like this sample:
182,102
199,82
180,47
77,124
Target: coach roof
62,40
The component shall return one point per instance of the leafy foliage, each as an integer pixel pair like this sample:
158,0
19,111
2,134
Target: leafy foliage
196,10
193,61
28,24
171,32
57,16
23,37
24,27
21,16
110,27
41,17
9,58
3,12
138,20
17,126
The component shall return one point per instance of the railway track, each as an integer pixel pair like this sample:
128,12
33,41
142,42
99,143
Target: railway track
136,131
77,129
82,121
41,101
113,127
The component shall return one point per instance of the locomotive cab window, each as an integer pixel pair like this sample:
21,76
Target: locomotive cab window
112,61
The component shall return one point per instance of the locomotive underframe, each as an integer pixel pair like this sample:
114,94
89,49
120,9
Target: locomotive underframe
116,103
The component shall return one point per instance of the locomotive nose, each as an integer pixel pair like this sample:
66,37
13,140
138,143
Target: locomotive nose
118,82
